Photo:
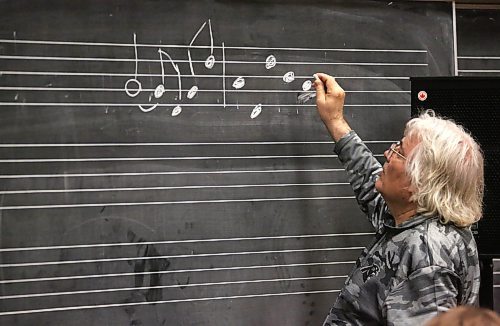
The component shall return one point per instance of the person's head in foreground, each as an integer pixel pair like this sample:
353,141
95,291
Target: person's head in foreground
466,316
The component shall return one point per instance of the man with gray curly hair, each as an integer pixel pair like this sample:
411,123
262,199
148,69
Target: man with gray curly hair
421,202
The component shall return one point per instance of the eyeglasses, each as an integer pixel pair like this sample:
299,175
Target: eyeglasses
394,149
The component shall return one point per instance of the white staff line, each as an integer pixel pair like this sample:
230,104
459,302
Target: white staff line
179,202
479,58
219,254
479,70
196,270
83,89
189,285
77,175
78,190
16,41
127,244
184,105
100,159
179,158
184,144
99,74
114,305
48,58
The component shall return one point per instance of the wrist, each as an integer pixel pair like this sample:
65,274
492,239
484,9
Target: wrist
338,128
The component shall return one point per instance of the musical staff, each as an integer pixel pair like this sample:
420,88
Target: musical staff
204,63
261,272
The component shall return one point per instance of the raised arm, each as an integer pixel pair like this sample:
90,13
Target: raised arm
360,164
330,102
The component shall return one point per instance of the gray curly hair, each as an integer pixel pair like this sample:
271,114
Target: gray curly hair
446,170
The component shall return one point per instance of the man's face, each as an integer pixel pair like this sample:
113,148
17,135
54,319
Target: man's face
394,183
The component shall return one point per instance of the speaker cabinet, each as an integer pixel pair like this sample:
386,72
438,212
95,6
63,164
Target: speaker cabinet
473,102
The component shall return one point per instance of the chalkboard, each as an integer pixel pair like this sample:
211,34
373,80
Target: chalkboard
478,49
157,167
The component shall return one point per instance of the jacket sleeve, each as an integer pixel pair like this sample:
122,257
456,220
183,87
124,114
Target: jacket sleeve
422,295
362,169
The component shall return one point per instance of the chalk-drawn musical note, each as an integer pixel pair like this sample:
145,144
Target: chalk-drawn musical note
210,61
270,62
256,111
176,68
163,54
289,77
133,86
192,92
159,91
239,82
176,111
307,94
129,89
306,85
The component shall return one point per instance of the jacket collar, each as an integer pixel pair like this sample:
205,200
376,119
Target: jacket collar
408,224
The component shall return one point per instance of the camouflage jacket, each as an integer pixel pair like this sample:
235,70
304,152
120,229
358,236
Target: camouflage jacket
410,271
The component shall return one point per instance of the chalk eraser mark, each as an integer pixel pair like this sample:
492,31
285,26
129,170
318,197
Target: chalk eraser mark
305,96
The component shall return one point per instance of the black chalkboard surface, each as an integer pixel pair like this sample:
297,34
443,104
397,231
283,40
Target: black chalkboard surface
156,167
478,49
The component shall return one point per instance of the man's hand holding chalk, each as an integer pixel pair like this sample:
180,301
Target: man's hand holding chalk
330,103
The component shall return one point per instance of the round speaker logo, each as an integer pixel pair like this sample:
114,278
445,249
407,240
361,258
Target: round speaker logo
422,95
